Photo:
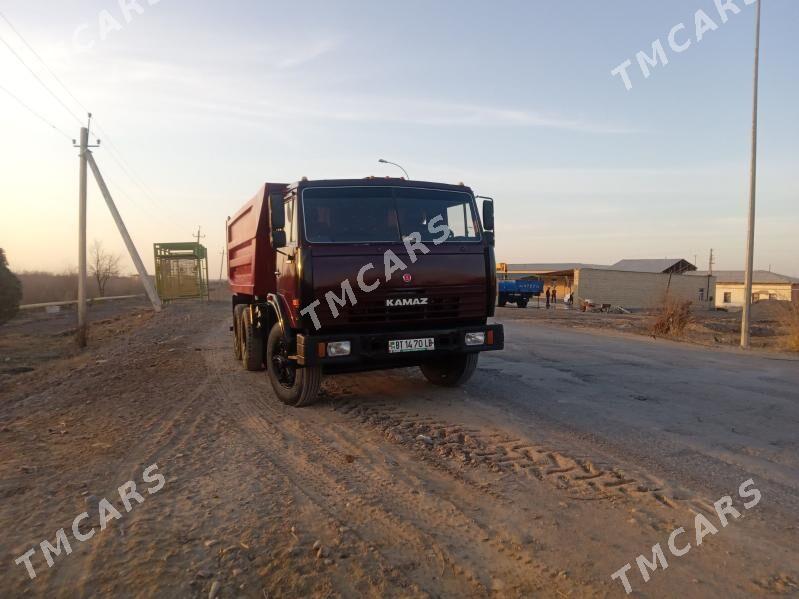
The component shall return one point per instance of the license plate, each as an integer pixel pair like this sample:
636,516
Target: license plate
405,345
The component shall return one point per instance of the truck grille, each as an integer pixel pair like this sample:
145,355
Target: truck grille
452,303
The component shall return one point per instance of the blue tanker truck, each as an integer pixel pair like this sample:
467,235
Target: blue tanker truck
519,291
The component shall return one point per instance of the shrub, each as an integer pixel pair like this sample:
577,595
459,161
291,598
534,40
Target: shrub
10,291
791,323
671,318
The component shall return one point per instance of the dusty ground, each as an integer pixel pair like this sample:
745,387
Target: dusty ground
566,456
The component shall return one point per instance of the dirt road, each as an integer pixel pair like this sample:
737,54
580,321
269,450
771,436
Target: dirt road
567,456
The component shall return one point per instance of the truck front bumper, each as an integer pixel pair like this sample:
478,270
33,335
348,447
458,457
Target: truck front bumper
370,350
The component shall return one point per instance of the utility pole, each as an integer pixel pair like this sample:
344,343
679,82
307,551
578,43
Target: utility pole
710,262
750,238
197,234
81,333
221,264
87,160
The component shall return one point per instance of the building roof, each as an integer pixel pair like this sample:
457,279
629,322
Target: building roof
550,267
654,265
758,276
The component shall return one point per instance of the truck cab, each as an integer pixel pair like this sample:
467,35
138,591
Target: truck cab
345,275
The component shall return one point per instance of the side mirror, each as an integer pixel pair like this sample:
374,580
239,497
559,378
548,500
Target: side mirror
488,215
277,215
278,239
489,235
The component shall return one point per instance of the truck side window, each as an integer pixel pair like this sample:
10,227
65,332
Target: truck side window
291,228
460,221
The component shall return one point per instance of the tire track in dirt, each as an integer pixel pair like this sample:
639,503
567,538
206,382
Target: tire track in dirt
167,432
408,523
458,447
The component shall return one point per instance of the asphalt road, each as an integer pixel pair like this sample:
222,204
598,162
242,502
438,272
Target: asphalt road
703,419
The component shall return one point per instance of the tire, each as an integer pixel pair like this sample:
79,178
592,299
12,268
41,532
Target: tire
522,303
451,372
293,386
502,300
251,342
238,310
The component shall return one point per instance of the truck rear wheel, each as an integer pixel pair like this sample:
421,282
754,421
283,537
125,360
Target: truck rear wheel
522,303
293,386
502,300
237,313
452,371
251,342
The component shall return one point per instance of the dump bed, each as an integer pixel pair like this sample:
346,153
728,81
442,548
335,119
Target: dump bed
251,259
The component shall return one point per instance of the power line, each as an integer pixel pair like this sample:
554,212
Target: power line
62,84
113,152
127,196
116,156
39,79
41,60
34,113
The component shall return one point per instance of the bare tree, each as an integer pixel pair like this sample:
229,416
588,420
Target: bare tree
103,265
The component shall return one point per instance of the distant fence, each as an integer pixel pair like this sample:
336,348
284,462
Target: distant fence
74,302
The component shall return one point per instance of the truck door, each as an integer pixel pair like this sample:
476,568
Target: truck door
286,262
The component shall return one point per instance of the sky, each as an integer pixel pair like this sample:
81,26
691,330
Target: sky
198,103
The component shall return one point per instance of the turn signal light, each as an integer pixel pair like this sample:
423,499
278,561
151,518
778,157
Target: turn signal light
490,338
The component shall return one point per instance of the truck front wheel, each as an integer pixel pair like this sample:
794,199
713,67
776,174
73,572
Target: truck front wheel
293,386
451,371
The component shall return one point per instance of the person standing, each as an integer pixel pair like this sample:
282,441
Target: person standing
554,297
548,296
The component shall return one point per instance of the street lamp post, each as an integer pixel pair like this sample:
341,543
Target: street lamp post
750,239
384,161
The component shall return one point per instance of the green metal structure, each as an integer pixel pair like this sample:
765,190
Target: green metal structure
181,271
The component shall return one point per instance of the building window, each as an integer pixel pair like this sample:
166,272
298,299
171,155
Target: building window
728,297
772,296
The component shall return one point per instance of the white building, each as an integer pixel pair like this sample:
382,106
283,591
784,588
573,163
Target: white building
766,285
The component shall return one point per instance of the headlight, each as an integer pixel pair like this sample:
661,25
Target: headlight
338,348
475,338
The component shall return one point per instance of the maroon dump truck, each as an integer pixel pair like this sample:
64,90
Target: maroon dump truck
351,275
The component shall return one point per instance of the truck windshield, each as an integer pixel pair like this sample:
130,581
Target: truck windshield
371,214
